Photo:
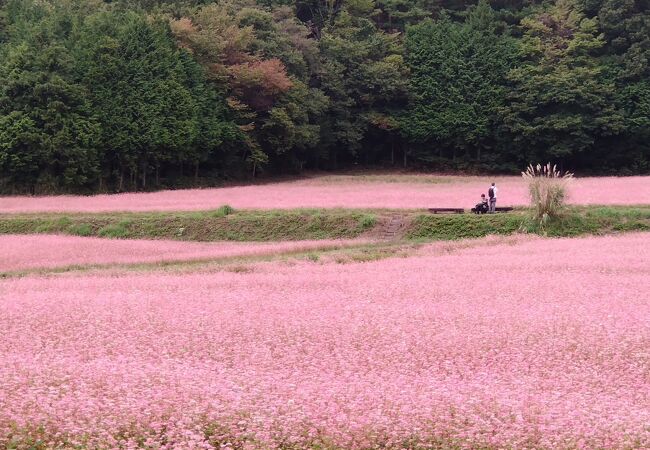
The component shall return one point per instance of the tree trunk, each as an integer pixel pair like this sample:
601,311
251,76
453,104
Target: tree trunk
196,172
478,153
144,176
392,151
405,152
181,174
157,175
121,181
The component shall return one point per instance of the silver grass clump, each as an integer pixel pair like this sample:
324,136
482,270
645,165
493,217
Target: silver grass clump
547,187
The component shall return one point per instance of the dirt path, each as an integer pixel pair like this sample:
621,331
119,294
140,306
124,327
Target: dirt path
394,227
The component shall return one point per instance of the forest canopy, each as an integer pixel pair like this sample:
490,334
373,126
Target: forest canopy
142,94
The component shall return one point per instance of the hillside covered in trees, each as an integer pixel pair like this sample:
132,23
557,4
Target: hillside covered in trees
124,95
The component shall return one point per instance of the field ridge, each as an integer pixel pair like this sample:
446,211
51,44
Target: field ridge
312,224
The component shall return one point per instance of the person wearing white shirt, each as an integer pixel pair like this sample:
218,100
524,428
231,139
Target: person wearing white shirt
492,194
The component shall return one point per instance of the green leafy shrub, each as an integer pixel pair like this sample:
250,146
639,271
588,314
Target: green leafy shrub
223,211
367,221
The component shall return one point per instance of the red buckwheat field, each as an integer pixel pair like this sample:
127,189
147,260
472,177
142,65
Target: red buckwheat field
383,341
417,191
52,251
324,225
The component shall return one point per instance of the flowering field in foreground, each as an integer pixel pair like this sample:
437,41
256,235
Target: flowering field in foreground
23,252
525,344
321,193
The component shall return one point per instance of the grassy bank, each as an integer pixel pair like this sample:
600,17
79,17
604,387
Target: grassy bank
283,225
575,221
221,224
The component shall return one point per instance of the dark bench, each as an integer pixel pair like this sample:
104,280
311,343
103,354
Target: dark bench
446,210
499,209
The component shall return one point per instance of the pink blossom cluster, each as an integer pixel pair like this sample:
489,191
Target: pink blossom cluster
521,344
24,252
312,193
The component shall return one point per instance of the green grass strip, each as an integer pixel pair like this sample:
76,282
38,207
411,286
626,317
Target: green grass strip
307,224
575,221
217,225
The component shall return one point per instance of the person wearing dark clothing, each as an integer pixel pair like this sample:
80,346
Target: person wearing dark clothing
482,207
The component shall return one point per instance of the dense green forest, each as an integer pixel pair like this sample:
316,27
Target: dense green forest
141,94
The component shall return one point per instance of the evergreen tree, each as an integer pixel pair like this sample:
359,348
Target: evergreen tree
457,85
122,95
48,133
559,103
149,96
365,78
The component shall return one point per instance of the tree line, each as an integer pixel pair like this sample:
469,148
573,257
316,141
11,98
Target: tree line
99,95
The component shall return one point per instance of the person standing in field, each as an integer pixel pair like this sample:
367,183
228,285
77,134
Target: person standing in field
492,194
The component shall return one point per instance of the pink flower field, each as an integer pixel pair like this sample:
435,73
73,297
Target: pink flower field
350,193
529,343
24,252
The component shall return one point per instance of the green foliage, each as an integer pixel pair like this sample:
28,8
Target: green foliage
560,103
200,226
398,14
128,95
574,222
365,78
223,211
100,97
285,225
151,98
48,135
82,229
113,232
367,222
457,84
441,227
